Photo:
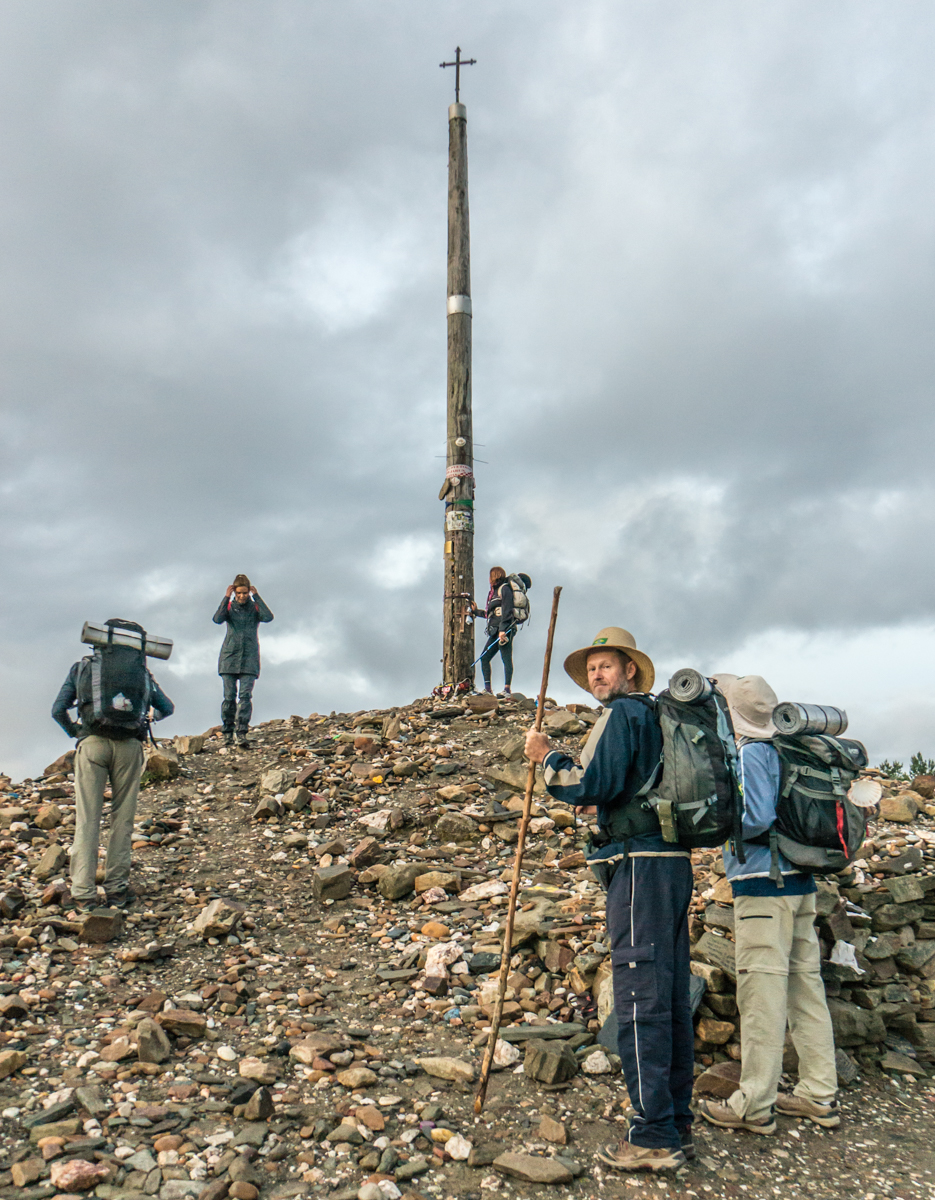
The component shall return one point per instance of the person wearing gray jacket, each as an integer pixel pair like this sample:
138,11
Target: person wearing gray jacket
242,609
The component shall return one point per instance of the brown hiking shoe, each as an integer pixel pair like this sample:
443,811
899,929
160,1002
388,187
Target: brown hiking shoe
724,1117
627,1157
789,1105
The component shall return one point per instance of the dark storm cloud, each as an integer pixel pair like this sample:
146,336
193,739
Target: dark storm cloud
702,249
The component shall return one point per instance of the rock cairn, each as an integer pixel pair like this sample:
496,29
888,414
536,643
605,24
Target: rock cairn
298,1002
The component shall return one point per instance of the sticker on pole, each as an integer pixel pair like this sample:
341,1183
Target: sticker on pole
459,520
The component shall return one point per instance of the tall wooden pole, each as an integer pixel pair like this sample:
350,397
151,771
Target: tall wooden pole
458,491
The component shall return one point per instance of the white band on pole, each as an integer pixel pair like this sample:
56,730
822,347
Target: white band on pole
456,110
459,304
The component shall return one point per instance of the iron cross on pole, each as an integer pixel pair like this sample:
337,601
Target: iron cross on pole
458,63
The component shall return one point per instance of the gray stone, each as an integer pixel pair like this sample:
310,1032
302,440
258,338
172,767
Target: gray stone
179,1189
333,883
91,1100
260,1106
297,799
141,1161
915,959
901,1063
53,860
909,860
903,889
399,881
894,916
512,748
268,807
409,1170
532,1169
450,827
718,952
549,1063
721,916
885,945
847,1069
276,780
101,925
455,1070
219,918
251,1133
853,1026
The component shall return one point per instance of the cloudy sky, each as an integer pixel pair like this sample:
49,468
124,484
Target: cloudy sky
703,288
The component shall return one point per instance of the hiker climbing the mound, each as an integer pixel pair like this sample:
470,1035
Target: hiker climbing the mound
242,609
506,609
114,694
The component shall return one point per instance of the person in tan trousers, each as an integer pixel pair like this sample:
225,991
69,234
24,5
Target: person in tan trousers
778,958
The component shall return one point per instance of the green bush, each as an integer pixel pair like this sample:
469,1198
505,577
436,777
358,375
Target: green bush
921,766
892,770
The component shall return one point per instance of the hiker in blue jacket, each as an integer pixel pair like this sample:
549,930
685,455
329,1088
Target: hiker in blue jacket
649,888
243,610
778,956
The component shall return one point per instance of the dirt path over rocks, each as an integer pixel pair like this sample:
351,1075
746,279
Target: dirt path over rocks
297,1004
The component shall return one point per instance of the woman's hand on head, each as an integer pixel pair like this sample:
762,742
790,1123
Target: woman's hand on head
230,591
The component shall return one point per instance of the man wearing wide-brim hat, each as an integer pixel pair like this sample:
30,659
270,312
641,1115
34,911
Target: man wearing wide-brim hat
649,888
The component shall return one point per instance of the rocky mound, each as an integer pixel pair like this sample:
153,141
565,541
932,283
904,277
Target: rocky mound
298,1001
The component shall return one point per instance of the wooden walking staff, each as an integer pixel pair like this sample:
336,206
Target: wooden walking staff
507,953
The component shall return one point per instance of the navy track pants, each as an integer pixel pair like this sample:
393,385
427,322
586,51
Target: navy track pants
647,917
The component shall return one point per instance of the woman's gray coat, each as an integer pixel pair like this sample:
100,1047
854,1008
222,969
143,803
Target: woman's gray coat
240,653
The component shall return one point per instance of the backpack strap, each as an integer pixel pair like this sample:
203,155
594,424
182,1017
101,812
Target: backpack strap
774,872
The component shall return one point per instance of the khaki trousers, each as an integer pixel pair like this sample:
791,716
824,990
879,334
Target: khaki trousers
779,980
98,760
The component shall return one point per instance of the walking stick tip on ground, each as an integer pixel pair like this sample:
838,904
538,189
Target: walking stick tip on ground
507,952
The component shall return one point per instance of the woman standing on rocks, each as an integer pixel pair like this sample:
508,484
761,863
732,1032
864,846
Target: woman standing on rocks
242,610
501,627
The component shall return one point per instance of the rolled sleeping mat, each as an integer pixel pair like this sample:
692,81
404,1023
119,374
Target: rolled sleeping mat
689,686
96,635
796,719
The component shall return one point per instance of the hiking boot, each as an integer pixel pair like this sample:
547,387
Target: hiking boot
625,1156
687,1140
724,1117
242,742
228,739
82,906
790,1105
124,898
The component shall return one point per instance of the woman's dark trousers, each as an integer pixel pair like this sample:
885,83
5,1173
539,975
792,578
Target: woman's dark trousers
506,653
236,710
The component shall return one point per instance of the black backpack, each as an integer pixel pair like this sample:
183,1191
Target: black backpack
694,791
817,828
697,797
113,691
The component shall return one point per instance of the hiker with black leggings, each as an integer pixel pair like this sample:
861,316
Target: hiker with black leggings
501,628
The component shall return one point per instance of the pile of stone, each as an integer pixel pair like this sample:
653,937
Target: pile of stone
876,926
301,996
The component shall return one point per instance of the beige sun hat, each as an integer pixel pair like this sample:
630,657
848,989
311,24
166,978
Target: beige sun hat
751,701
722,681
612,638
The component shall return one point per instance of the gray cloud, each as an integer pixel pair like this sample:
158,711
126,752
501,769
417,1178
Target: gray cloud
702,248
